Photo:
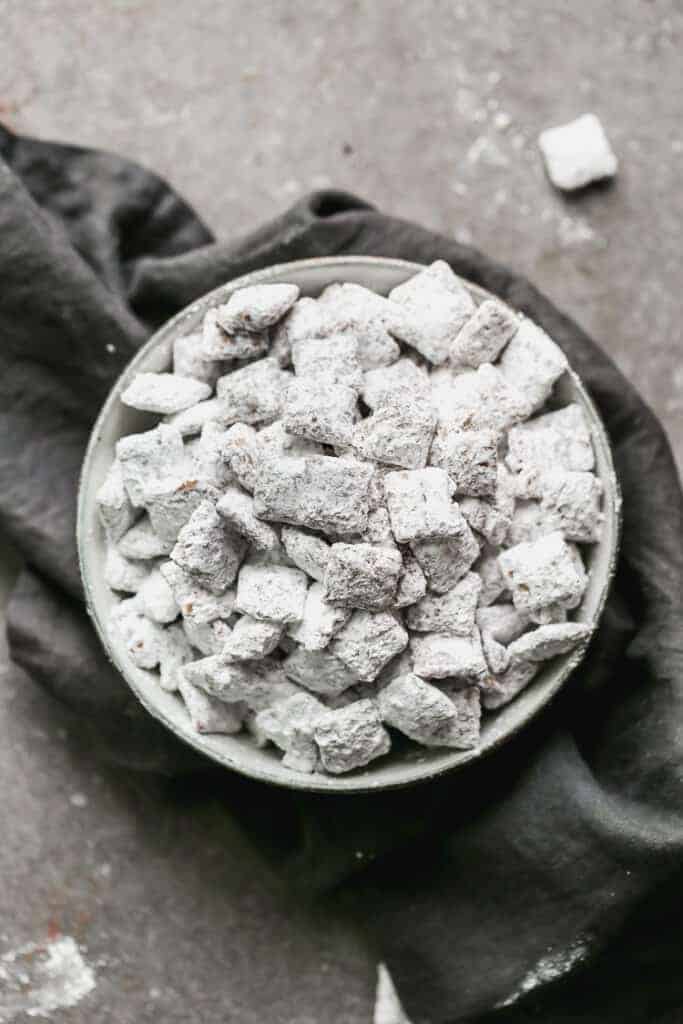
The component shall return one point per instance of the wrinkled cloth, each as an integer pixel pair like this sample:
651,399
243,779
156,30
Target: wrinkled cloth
543,883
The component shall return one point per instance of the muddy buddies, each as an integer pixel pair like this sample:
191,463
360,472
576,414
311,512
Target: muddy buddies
359,518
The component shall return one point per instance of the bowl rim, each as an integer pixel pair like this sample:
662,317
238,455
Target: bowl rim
353,783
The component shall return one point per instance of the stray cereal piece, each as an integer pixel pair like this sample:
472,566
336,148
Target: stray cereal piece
444,561
156,599
171,500
481,399
493,584
253,394
320,411
548,571
237,509
368,641
578,153
252,639
115,508
380,385
290,725
559,439
258,684
177,652
121,573
501,688
571,503
548,641
319,671
306,319
209,456
219,344
189,360
192,421
362,575
452,612
164,393
427,715
141,542
208,637
398,433
320,621
470,457
412,583
257,307
442,656
531,364
333,359
351,737
207,714
271,592
145,457
208,551
419,504
318,491
359,311
309,552
484,336
492,517
196,602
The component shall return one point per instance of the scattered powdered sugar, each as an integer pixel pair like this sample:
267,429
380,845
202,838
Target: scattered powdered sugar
550,967
37,979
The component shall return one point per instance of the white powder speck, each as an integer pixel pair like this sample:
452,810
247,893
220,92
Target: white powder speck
154,993
548,968
388,1009
110,348
104,871
37,979
78,800
574,231
502,120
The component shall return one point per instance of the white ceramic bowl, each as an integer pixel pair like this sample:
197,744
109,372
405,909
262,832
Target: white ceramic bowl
407,763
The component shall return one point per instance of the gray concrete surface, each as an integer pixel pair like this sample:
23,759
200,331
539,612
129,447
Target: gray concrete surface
430,110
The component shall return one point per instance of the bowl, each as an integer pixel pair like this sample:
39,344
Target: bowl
407,763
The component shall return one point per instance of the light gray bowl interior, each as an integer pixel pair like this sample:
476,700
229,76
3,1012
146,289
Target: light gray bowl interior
409,763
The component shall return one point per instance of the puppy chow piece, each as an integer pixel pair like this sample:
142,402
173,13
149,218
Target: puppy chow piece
452,612
207,714
368,641
171,501
253,394
209,456
428,716
319,671
378,530
320,621
578,153
257,684
309,552
143,639
290,725
401,665
502,687
306,319
208,637
252,639
271,592
470,457
176,653
370,317
444,656
548,641
380,385
362,575
333,360
156,598
351,737
559,439
237,509
544,572
320,411
208,551
529,522
571,502
275,440
141,542
495,653
124,574
164,393
484,336
398,433
444,561
114,507
196,602
218,344
437,276
412,583
502,622
420,506
189,360
319,492
146,457
493,585
481,399
257,307
531,364
241,451
190,422
492,517
435,307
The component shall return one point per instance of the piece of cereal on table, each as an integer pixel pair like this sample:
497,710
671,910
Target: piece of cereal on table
578,153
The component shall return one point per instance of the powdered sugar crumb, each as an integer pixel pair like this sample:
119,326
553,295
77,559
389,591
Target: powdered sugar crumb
548,968
37,979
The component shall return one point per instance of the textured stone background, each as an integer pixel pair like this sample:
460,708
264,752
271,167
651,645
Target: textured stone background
430,110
